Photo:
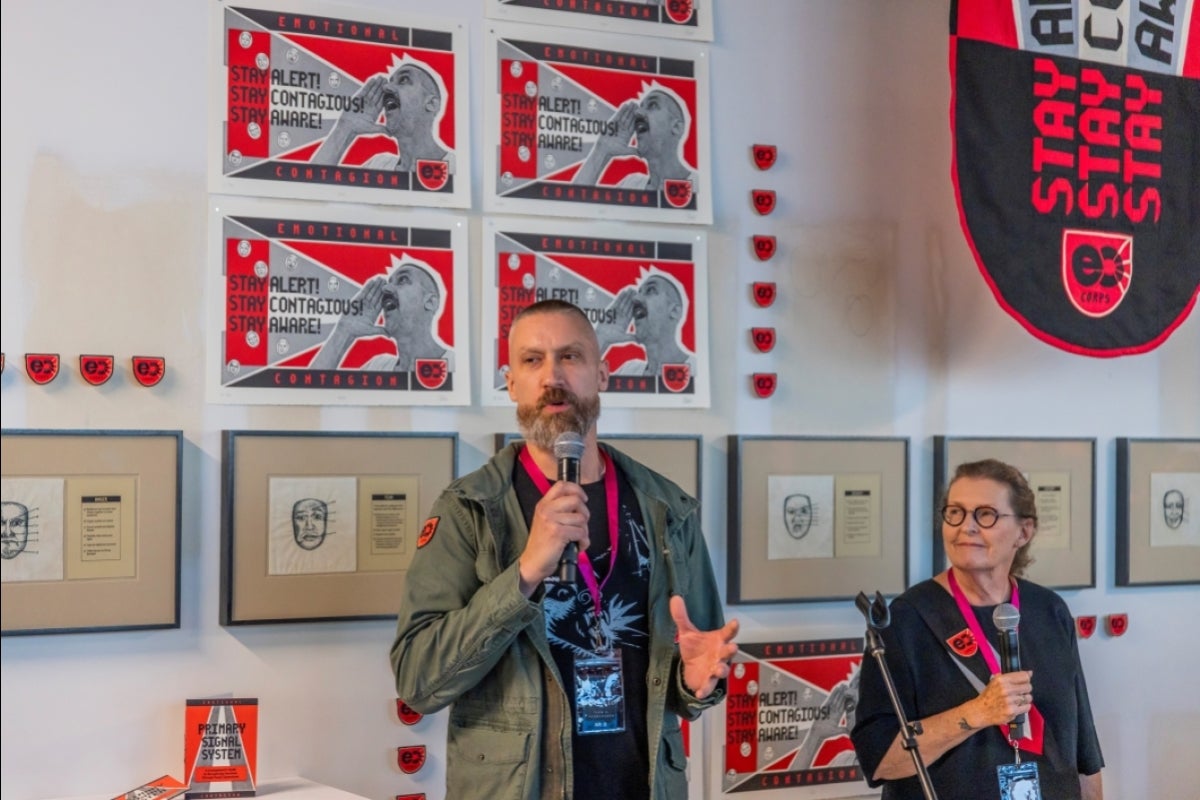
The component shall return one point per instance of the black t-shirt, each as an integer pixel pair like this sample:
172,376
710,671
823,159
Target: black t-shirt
606,765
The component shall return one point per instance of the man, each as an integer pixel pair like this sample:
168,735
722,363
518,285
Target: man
410,300
656,308
797,515
14,535
310,518
410,100
1173,508
660,123
519,658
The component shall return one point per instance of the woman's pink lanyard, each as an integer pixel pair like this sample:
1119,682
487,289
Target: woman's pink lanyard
610,496
1033,742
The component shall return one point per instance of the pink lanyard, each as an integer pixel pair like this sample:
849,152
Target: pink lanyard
610,496
968,613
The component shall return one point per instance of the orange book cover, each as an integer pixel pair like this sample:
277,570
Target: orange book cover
220,747
163,788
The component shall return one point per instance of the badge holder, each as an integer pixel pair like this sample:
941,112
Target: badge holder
879,617
1019,781
599,694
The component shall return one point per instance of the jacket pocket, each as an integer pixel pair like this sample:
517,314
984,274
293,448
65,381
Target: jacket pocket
670,780
483,762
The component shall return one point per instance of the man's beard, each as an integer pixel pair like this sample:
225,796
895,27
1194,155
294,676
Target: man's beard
541,430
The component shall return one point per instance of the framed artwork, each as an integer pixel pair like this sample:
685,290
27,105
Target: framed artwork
323,526
91,530
784,727
643,288
675,456
1158,525
816,518
323,101
1061,473
679,19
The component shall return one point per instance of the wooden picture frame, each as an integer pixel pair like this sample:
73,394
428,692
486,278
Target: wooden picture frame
1062,474
816,518
91,530
1158,526
675,456
322,526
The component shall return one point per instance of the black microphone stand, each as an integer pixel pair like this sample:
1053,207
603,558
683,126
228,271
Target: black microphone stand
879,617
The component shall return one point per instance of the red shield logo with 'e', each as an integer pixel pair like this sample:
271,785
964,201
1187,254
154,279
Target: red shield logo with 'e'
676,376
763,200
1096,269
405,713
764,383
680,11
41,367
410,758
418,796
1117,624
149,370
764,155
764,247
432,174
963,643
431,372
96,369
763,338
678,192
427,531
764,293
1086,626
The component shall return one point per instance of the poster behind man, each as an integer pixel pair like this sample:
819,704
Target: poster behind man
644,289
326,101
596,125
680,19
1077,157
344,307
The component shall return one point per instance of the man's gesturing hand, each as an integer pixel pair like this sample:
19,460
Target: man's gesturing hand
705,654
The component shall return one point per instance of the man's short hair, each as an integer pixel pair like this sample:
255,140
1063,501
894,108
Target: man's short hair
552,306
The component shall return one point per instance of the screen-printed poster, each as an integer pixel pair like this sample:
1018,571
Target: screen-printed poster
581,124
361,307
644,289
787,720
324,101
1076,164
681,19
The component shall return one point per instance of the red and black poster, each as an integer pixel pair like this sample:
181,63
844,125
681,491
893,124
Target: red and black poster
596,125
644,289
681,19
787,719
1077,164
346,308
324,101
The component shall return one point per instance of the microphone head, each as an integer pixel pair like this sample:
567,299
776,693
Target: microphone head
1006,617
569,444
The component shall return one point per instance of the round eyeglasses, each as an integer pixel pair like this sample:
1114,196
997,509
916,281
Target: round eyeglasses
985,516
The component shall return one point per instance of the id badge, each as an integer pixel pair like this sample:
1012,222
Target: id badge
599,694
1019,781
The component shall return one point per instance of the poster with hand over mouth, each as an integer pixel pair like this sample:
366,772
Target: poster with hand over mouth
680,19
596,125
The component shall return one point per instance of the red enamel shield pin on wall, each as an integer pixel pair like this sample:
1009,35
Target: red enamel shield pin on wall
149,370
1085,626
410,759
764,293
764,247
763,338
763,200
96,370
41,367
765,155
764,383
1116,624
405,713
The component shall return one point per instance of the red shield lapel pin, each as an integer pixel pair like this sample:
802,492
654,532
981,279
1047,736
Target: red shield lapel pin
410,759
96,370
406,714
149,370
765,155
41,367
1116,624
763,338
963,643
764,293
1085,626
764,247
763,200
764,383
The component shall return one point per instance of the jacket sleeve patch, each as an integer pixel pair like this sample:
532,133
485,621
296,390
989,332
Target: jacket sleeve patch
427,531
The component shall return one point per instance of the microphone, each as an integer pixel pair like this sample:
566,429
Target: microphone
568,449
1006,618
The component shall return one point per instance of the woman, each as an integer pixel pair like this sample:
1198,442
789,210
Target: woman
949,682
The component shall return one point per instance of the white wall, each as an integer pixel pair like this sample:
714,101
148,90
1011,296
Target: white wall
886,329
